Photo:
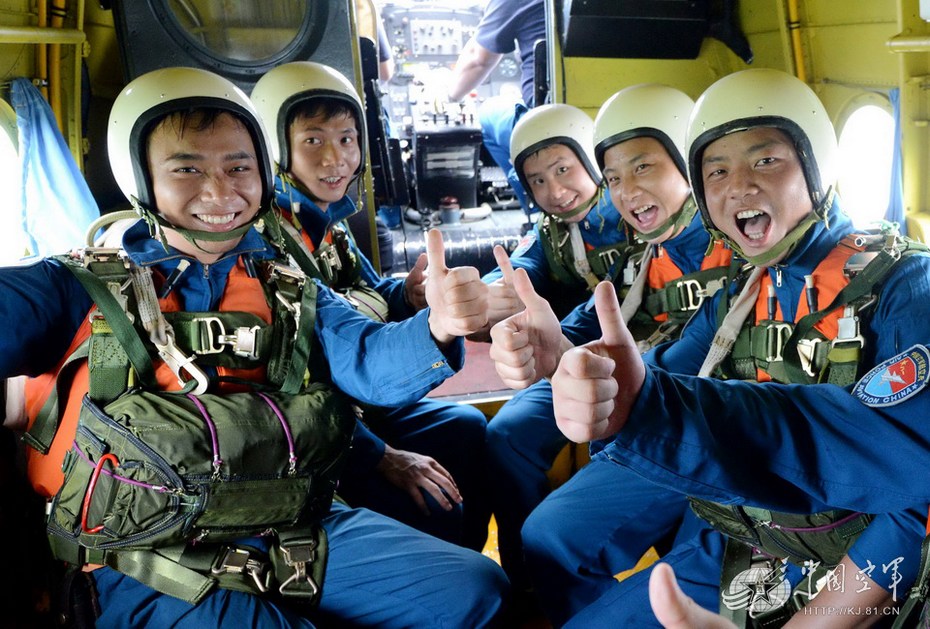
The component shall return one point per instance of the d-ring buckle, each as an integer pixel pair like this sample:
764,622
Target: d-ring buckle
109,456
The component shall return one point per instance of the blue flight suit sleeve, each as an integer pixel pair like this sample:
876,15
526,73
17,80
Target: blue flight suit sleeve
581,325
386,364
790,447
888,551
532,259
391,288
42,307
367,448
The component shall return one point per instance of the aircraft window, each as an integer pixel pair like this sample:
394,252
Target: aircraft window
866,152
243,31
13,242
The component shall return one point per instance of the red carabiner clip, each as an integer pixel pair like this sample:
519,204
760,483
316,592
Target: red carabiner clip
109,456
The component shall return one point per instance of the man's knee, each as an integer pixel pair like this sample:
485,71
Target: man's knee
542,533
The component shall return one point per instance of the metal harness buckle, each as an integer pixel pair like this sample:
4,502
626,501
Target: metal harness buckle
297,557
238,561
243,340
776,335
91,255
276,271
848,327
807,352
690,294
177,361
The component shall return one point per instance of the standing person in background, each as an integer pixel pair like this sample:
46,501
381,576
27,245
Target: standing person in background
419,463
506,25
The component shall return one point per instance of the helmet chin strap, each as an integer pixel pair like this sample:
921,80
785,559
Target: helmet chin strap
288,183
157,226
679,219
784,246
581,209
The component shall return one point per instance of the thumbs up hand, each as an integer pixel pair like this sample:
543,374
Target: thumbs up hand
596,385
415,284
457,297
503,300
526,347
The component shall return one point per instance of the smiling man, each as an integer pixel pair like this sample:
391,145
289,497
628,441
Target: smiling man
579,238
639,143
416,463
208,416
788,469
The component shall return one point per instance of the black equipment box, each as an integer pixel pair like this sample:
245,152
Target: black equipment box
634,29
446,163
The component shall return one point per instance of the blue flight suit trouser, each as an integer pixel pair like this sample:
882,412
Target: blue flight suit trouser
523,441
594,526
696,557
379,573
497,116
454,435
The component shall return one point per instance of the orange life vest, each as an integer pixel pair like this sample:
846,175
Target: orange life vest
662,269
829,279
242,294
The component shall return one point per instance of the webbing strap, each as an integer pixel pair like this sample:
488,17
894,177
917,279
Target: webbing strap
843,359
43,429
295,246
684,294
108,363
737,557
121,325
162,573
917,595
300,352
860,286
551,241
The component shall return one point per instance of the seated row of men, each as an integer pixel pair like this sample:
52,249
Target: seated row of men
715,222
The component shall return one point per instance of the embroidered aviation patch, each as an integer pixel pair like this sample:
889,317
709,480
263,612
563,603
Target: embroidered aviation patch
896,379
525,243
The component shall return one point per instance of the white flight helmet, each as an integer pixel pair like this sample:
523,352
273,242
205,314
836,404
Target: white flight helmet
767,98
147,100
553,124
651,110
282,88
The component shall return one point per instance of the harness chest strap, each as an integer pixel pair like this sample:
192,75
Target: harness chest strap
327,266
685,294
564,255
824,345
118,360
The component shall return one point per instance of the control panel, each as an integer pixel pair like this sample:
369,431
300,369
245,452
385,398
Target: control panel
435,37
426,40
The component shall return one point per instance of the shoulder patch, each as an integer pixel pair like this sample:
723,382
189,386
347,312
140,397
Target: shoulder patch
895,380
525,243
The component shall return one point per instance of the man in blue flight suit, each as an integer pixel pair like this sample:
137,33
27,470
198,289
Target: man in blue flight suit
763,160
506,25
639,143
188,149
419,463
579,237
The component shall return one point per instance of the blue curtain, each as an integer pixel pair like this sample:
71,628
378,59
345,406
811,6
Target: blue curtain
57,204
895,211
